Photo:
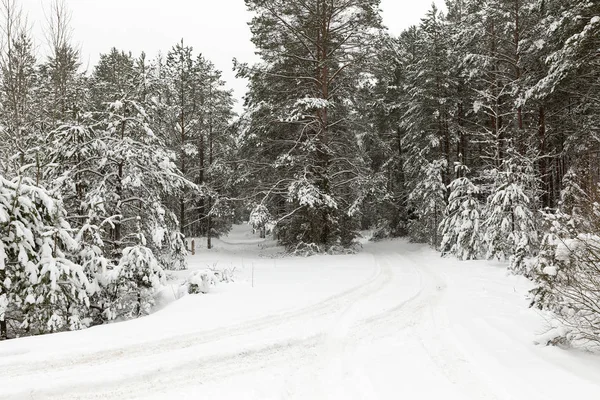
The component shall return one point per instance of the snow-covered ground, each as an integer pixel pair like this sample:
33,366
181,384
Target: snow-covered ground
393,322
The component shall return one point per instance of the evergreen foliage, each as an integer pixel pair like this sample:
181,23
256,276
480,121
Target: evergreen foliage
301,137
461,226
90,177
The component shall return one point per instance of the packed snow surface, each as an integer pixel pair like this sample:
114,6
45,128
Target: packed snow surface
393,322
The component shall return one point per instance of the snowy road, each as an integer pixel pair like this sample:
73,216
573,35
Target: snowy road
394,322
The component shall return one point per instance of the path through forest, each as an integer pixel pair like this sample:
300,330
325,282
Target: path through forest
395,321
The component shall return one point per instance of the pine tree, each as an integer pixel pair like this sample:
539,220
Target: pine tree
40,287
131,284
461,226
427,111
428,204
381,105
197,111
138,174
300,110
509,219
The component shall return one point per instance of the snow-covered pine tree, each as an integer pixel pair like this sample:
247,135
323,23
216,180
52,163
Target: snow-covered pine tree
509,219
219,155
379,105
137,174
260,218
426,118
563,72
428,202
41,289
430,105
65,121
117,175
576,203
307,166
461,226
182,97
130,286
62,84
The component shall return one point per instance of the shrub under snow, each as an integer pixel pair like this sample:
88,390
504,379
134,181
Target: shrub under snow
202,281
568,280
131,285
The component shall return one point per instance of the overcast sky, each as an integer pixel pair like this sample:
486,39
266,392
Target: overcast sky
216,28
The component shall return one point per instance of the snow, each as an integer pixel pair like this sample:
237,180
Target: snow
394,321
550,271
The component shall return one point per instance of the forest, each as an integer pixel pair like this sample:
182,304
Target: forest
476,131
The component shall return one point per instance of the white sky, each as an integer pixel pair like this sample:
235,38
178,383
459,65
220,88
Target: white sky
216,28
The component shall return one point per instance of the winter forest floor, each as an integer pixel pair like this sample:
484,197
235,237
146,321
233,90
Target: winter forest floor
393,322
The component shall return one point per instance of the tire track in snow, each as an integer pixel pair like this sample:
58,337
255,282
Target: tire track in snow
327,306
119,358
200,371
342,371
332,352
432,329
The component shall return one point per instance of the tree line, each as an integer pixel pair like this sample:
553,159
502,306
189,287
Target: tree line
103,175
475,131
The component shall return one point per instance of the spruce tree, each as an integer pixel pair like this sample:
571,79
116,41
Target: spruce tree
461,226
40,287
427,201
509,220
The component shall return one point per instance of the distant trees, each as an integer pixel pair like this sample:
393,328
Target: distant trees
196,111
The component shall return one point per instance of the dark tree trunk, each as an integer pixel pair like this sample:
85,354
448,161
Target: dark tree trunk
543,162
3,330
209,226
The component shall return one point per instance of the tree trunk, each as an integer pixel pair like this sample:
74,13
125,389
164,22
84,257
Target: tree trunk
462,144
119,190
209,226
209,221
542,161
522,145
182,152
3,330
322,149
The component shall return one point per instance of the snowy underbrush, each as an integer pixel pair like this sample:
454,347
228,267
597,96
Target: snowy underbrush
382,232
203,281
303,249
567,275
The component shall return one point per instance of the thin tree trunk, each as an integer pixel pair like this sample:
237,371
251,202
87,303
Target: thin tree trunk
517,61
182,152
119,190
209,226
3,330
210,162
323,134
542,161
